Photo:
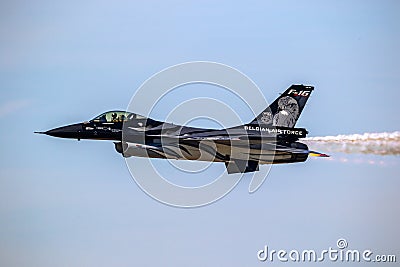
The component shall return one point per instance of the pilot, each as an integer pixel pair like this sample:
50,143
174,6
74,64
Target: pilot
114,117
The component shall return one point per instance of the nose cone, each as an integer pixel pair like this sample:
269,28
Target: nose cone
70,131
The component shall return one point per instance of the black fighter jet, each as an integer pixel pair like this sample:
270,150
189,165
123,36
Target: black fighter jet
270,138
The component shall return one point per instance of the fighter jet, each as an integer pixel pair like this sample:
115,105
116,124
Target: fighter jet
270,138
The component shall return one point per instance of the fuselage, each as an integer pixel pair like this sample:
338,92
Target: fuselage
135,135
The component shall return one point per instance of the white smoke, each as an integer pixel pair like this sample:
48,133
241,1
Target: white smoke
367,143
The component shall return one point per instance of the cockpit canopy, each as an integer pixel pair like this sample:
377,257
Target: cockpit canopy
117,116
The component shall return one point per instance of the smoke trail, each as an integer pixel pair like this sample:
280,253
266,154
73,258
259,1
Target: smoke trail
367,143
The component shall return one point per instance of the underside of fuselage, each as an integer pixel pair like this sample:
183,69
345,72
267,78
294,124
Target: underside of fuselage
269,153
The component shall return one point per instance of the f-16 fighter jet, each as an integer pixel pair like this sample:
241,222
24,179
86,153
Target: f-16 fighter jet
270,138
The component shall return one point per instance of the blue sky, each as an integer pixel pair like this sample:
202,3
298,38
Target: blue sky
68,203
